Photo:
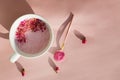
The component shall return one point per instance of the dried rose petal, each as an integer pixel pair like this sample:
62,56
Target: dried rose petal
20,37
23,23
59,55
44,28
32,24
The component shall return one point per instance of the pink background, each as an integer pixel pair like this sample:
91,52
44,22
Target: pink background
98,59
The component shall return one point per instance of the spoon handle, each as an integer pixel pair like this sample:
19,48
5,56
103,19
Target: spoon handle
62,46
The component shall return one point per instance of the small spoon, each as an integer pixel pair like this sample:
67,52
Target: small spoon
59,54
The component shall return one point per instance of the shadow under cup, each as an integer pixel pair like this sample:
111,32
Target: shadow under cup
35,39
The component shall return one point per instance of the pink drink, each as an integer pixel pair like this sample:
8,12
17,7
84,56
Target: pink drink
32,36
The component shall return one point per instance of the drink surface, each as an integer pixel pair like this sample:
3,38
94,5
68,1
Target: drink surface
32,36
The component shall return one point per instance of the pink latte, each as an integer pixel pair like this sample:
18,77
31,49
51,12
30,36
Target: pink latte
32,36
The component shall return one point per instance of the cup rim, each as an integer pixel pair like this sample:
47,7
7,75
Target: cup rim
12,36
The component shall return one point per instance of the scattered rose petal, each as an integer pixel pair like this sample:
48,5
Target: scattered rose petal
59,55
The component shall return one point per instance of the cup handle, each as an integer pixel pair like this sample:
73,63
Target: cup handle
14,57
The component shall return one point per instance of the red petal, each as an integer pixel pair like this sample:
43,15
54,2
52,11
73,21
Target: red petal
57,69
84,41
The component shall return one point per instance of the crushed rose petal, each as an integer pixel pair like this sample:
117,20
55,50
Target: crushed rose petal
32,24
22,23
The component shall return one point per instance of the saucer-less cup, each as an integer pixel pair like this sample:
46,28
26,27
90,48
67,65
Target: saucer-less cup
18,52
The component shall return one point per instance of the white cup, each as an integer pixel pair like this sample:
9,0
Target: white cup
18,52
